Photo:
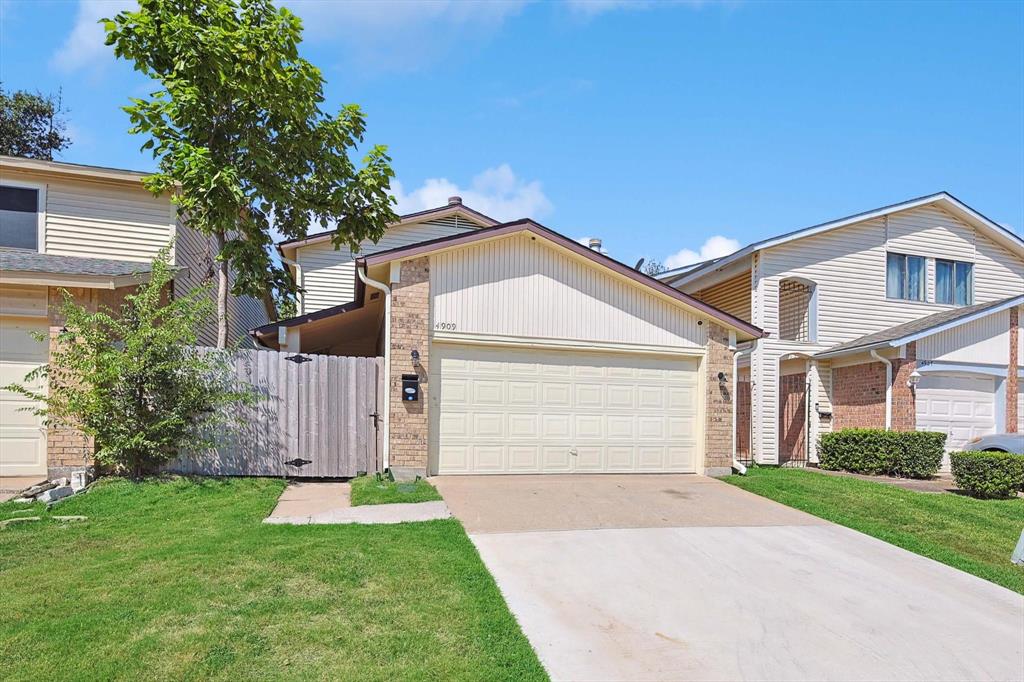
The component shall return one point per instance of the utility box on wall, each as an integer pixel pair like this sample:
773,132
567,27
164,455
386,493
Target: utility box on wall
410,387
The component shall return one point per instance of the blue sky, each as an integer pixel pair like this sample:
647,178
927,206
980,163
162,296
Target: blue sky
658,127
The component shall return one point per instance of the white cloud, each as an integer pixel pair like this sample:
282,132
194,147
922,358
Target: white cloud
715,247
84,48
592,8
383,35
497,192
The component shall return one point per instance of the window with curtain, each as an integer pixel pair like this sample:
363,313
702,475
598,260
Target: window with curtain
904,277
19,218
954,282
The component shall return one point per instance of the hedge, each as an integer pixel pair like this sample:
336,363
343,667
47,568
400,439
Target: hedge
908,454
988,474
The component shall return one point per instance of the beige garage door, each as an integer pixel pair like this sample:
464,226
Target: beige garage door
510,411
22,436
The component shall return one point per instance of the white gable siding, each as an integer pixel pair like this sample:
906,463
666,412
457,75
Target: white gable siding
329,274
522,287
985,341
98,220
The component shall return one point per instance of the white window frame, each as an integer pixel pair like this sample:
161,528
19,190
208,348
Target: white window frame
970,294
40,188
906,271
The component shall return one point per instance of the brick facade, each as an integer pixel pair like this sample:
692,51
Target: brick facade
718,434
858,394
410,330
1012,380
68,449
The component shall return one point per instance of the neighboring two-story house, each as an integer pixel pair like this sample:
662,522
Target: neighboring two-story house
92,232
904,317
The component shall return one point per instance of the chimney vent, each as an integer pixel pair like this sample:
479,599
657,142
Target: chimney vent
595,244
454,201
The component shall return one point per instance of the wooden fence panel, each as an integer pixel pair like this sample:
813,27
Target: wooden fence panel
320,409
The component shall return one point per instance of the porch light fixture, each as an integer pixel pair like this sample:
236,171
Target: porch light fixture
915,377
415,357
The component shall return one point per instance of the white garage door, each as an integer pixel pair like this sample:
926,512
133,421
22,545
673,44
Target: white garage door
503,411
22,436
961,406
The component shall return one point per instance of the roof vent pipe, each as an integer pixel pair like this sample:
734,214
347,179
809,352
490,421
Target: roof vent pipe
454,201
595,244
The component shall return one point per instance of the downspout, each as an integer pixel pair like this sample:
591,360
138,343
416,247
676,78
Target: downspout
888,387
736,464
387,362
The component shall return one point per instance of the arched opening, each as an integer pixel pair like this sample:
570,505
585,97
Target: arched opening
798,318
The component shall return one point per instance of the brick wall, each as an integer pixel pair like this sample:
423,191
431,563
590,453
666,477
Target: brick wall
67,448
718,403
1012,380
858,396
410,322
904,409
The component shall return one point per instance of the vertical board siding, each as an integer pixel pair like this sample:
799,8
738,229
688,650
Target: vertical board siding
517,286
983,341
733,296
319,410
329,274
95,220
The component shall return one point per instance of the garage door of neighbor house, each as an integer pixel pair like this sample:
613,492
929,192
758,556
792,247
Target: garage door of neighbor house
541,411
959,405
22,435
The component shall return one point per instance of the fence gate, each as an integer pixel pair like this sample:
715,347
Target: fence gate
315,415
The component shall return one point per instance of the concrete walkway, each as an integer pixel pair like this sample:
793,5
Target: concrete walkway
752,591
317,502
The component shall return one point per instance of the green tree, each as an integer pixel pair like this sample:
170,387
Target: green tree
32,125
241,139
133,380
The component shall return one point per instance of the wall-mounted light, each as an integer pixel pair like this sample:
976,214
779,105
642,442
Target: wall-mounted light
415,357
915,377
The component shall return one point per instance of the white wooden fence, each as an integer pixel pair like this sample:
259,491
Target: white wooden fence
315,416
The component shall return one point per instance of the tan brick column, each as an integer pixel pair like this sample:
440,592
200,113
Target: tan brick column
718,403
904,408
67,449
1012,367
410,330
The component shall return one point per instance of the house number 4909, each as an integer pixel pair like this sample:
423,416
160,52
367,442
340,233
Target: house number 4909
445,326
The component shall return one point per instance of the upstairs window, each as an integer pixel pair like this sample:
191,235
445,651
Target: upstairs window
19,218
954,282
904,277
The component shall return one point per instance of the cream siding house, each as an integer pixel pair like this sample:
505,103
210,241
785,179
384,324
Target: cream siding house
817,289
92,232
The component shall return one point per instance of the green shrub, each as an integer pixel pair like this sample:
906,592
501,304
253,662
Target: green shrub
909,454
988,474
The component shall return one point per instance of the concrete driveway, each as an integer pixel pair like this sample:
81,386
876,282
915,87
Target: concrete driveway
650,577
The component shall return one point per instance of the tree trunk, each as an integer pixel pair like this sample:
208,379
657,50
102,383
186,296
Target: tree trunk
222,293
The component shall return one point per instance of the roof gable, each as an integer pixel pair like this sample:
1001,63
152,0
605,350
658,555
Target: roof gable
566,244
944,200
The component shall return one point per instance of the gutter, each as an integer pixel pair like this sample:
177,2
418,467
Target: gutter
888,387
386,463
736,464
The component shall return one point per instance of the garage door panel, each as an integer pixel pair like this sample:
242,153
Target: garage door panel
22,435
961,406
562,411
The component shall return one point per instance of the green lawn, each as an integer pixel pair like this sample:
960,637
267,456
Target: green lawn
180,579
369,490
973,535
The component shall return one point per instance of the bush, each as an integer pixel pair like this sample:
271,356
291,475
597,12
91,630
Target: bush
909,454
988,474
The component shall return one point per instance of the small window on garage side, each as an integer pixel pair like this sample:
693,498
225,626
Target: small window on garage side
904,277
19,218
954,282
